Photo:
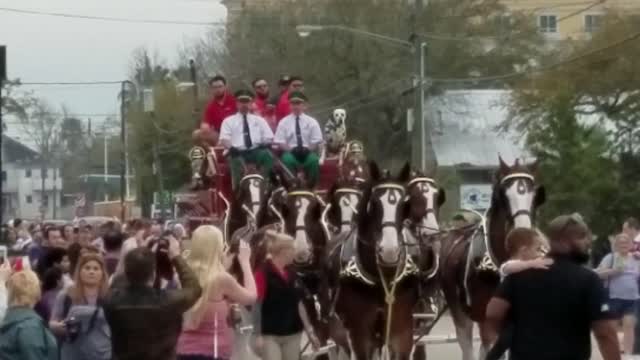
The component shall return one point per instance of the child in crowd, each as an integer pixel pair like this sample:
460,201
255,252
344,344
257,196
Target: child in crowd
525,250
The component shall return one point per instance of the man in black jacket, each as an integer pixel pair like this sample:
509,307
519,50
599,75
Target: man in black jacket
146,322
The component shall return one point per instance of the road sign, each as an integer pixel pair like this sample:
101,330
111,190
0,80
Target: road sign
476,197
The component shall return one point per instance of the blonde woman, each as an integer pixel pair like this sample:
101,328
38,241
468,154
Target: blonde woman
280,317
23,334
78,317
621,270
207,319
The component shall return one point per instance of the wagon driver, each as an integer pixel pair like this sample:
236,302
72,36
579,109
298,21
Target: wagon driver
300,137
247,137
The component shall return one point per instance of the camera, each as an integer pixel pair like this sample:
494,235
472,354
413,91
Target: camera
73,327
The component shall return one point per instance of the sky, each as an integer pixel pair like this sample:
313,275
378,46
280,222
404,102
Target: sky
58,49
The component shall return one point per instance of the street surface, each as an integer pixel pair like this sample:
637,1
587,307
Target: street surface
444,328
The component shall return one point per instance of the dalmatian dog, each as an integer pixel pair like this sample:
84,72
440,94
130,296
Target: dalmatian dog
335,131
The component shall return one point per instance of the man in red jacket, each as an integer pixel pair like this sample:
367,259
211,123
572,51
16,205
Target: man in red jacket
221,106
261,105
284,107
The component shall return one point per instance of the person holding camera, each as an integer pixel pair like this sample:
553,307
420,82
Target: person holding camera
208,319
300,137
245,135
78,317
145,322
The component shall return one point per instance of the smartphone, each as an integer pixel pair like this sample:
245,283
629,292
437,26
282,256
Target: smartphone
4,254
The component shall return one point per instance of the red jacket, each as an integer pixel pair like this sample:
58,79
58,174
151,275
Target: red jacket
262,107
216,112
283,108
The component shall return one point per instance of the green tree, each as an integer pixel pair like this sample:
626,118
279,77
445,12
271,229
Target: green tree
167,130
373,79
580,118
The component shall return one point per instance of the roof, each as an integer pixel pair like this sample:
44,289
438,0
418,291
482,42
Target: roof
17,150
466,131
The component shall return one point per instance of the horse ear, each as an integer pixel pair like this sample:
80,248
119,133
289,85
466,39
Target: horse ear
442,197
534,167
540,197
405,173
374,171
504,168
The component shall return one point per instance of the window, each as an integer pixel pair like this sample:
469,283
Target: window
29,199
44,173
592,23
27,173
45,200
548,24
4,175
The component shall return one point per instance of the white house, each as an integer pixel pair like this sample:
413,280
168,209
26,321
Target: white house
22,194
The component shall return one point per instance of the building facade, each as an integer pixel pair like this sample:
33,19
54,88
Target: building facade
22,195
467,145
556,19
571,19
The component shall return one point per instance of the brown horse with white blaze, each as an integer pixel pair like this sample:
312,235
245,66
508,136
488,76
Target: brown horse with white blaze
471,256
377,287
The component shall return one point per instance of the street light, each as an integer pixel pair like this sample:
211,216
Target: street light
419,48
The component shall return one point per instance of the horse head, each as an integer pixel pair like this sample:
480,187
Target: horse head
251,193
302,211
345,195
424,199
515,191
381,222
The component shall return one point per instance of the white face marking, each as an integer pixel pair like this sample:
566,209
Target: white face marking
520,200
390,243
348,203
254,191
301,241
430,223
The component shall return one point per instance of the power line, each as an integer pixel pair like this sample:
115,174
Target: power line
108,18
63,83
616,44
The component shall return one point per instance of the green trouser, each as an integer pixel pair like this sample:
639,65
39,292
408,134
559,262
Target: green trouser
310,165
260,157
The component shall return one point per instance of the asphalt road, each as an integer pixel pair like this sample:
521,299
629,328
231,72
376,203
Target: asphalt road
439,351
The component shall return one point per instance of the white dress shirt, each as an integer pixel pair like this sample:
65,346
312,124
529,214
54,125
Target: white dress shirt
309,129
232,130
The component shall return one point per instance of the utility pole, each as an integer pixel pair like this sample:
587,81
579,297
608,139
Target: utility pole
421,139
194,80
123,139
156,160
106,162
3,77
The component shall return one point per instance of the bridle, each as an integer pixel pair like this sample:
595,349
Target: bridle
246,206
518,176
388,186
345,201
427,180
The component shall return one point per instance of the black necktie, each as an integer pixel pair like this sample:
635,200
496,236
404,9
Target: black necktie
298,133
245,130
